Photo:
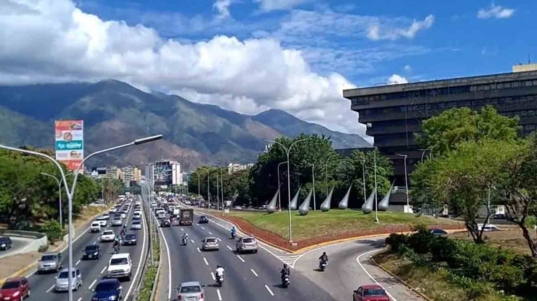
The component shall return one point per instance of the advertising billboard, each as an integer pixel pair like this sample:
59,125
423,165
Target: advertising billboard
69,142
163,173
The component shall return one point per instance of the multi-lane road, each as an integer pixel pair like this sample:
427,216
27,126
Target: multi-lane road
42,285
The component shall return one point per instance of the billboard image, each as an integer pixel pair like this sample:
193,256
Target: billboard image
69,142
163,173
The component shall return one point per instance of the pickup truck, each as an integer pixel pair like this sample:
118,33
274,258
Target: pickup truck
186,217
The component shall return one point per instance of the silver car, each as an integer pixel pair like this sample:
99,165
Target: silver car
191,291
117,222
209,243
246,244
50,262
62,281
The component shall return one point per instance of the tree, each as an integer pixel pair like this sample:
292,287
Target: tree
444,132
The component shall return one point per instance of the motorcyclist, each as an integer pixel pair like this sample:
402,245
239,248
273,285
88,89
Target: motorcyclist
285,271
233,231
184,237
219,271
117,242
122,232
324,257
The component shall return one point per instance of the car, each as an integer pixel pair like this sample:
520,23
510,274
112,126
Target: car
209,243
105,216
5,243
191,290
95,227
108,235
92,252
112,210
370,292
123,215
165,222
120,266
15,289
129,239
488,228
246,244
50,262
62,281
203,220
103,220
117,222
439,232
107,289
136,225
136,216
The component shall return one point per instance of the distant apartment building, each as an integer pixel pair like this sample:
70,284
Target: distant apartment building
394,113
234,167
114,172
131,174
164,173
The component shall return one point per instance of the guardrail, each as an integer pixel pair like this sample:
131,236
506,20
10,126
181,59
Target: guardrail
21,233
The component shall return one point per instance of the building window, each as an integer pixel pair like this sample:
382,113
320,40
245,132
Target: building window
515,84
499,86
507,85
528,83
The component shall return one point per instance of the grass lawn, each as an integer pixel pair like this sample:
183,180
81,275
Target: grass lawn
333,222
510,238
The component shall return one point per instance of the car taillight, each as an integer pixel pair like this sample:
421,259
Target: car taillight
201,296
179,297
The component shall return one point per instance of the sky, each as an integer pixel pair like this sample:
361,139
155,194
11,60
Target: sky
252,55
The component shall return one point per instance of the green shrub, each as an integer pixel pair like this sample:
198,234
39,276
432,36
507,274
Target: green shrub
53,230
396,241
442,249
420,241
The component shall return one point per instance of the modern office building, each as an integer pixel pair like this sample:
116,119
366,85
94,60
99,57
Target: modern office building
393,113
131,174
164,173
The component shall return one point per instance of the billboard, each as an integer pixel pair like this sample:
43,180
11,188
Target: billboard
163,173
69,142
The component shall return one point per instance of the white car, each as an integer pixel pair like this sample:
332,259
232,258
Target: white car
113,210
136,225
117,222
136,216
103,220
95,227
106,215
120,266
108,235
488,228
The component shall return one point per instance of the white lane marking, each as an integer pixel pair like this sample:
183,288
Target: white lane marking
95,242
210,232
77,262
202,227
104,269
212,275
79,299
192,241
254,272
371,277
169,263
268,289
182,229
206,262
229,248
219,296
198,250
50,289
92,284
218,239
240,258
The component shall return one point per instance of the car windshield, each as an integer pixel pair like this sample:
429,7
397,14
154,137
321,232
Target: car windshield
190,289
64,274
130,236
48,258
4,239
248,240
211,240
136,223
118,261
105,287
92,248
10,285
374,292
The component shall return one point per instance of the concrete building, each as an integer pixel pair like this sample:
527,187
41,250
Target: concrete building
131,174
234,167
113,172
393,113
164,173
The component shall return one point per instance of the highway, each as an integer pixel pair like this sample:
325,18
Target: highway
42,285
247,276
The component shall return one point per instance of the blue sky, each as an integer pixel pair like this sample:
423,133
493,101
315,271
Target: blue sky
252,55
458,42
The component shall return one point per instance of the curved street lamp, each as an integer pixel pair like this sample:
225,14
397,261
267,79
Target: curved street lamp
59,194
326,171
280,192
70,192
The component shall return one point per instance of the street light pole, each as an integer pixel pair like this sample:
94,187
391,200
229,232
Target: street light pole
326,171
313,186
406,181
363,180
279,191
59,195
222,188
288,152
376,192
423,151
70,192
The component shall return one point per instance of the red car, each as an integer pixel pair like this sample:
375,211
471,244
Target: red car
15,289
370,292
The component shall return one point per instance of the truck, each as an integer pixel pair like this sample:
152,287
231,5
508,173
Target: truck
186,217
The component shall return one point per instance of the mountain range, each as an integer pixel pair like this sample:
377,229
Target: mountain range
115,113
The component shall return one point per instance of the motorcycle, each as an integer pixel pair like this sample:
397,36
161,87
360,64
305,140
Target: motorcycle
286,281
233,235
116,249
185,241
220,280
322,265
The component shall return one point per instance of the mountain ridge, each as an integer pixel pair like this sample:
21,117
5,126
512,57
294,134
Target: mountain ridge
115,112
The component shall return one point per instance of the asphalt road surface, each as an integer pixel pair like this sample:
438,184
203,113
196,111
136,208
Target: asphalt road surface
18,244
247,276
42,285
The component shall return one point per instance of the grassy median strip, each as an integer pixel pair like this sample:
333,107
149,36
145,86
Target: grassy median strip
150,274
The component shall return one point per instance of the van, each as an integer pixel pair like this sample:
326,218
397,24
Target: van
120,266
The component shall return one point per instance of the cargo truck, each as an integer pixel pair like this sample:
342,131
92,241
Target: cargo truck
186,217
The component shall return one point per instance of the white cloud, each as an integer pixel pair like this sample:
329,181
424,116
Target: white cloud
54,41
269,5
396,79
495,11
378,32
222,7
408,68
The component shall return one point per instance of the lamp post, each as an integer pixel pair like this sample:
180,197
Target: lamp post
406,181
326,171
70,192
279,191
288,152
59,194
376,192
363,179
423,151
313,185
